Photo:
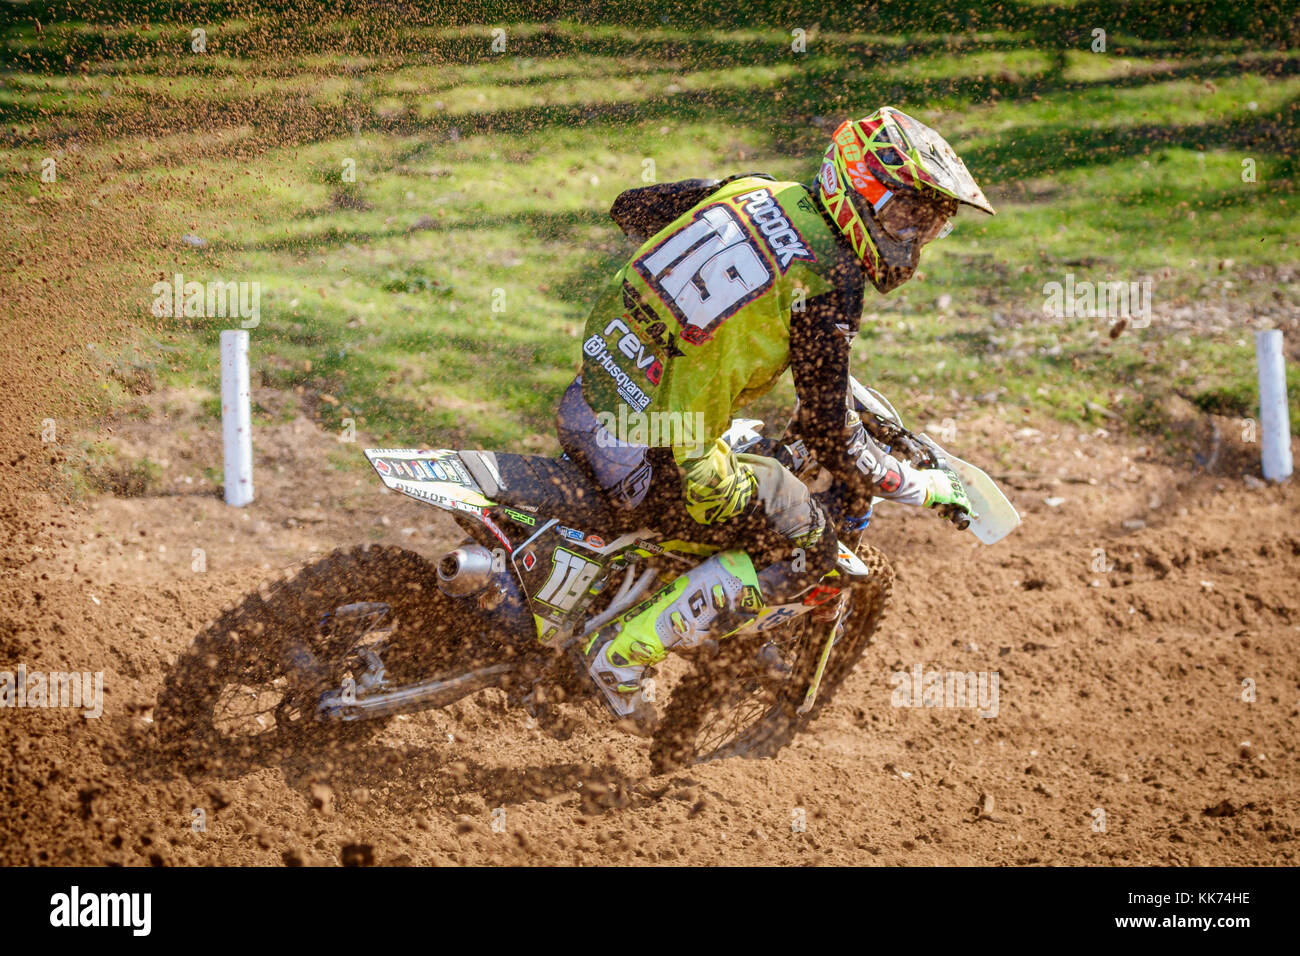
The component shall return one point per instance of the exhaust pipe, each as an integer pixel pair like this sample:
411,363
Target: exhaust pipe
465,571
469,572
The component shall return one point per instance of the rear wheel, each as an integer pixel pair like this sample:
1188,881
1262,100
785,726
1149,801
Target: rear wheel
237,686
743,701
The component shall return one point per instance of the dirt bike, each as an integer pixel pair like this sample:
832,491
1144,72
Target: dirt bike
341,645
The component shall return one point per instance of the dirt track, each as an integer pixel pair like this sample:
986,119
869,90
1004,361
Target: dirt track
1120,689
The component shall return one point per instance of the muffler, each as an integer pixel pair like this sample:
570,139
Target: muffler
472,571
465,571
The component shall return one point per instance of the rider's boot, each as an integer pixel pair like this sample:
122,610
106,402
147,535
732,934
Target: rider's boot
713,599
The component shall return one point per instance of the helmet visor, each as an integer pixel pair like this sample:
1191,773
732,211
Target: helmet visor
910,218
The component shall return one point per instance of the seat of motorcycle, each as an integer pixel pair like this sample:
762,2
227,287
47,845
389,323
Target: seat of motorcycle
549,487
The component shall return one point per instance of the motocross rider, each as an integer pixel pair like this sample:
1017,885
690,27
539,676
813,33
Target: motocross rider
735,281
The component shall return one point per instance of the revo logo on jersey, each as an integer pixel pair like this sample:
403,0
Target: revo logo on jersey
631,346
782,239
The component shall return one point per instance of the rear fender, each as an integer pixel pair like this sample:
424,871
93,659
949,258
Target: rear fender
439,478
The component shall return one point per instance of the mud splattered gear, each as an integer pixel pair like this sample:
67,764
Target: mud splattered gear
944,492
712,599
733,283
737,281
891,184
768,510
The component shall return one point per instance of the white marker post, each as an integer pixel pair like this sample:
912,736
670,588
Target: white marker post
1274,417
236,421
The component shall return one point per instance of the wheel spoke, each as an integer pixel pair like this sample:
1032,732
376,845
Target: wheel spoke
750,697
243,710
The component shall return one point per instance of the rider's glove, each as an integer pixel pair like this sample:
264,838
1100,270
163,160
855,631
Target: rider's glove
946,494
717,486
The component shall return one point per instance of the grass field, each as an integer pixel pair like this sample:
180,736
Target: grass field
438,297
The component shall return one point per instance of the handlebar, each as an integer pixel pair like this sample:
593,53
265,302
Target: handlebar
790,451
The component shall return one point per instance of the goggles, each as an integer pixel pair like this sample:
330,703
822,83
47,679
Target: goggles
909,219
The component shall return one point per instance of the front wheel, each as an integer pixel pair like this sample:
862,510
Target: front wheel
744,701
237,686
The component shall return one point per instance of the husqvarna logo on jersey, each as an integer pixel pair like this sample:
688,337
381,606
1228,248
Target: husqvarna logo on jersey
628,390
767,216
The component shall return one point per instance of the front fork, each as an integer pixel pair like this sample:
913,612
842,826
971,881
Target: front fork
810,698
834,629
